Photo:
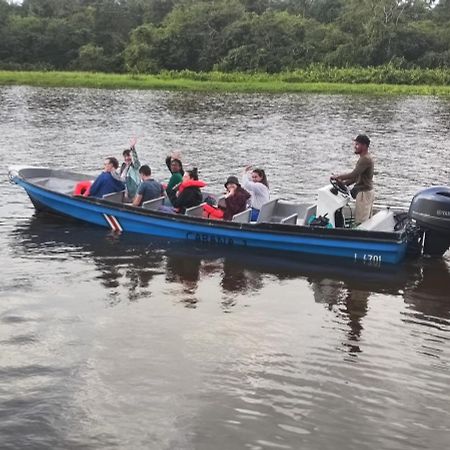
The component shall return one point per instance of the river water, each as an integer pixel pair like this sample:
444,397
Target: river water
128,342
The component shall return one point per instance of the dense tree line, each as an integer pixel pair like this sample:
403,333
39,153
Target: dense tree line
229,35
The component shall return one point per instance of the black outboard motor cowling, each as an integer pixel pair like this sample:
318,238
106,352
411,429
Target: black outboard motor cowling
430,209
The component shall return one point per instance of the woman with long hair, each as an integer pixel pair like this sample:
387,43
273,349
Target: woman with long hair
188,193
255,182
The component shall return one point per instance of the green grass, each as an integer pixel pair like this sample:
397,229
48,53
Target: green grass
316,80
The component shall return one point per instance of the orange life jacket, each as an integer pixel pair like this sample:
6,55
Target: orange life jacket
82,188
189,183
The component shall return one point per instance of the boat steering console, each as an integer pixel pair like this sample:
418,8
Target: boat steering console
339,186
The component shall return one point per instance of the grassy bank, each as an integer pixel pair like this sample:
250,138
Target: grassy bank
337,81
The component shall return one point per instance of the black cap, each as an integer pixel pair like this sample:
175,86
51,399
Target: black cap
232,180
362,139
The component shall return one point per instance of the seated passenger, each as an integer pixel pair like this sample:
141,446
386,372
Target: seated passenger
256,183
129,170
149,189
176,169
108,181
188,193
236,201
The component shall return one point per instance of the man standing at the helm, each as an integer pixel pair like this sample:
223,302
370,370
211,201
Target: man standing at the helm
362,177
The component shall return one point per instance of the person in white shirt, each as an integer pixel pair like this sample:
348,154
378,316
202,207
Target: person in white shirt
255,182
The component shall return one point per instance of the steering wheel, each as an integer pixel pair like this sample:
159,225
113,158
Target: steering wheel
340,186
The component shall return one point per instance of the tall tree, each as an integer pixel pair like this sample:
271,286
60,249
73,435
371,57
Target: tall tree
270,42
375,26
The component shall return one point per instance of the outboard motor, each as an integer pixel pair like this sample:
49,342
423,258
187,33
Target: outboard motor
430,209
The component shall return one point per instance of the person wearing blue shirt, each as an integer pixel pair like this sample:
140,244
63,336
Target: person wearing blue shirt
108,181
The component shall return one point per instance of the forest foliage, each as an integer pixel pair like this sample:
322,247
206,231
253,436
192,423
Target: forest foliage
256,36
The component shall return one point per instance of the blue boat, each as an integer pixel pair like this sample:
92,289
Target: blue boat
282,226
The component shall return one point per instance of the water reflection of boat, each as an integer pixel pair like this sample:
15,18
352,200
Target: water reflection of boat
430,294
131,265
290,227
47,234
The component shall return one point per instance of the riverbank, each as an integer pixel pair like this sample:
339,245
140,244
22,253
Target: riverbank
345,81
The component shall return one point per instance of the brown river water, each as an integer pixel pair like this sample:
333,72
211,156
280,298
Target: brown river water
128,342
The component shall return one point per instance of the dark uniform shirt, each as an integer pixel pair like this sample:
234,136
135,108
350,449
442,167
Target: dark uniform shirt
150,189
362,174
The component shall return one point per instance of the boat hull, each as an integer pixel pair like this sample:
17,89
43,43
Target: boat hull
370,247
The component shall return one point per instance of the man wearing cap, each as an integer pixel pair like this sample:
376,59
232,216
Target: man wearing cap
362,178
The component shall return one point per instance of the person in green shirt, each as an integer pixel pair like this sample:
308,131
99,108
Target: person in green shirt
175,167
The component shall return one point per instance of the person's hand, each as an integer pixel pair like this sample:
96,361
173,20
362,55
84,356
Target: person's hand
247,168
231,190
133,143
175,155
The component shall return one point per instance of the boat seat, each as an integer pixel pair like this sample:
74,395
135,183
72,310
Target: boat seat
306,213
195,211
116,197
292,219
242,217
266,211
154,203
283,211
381,221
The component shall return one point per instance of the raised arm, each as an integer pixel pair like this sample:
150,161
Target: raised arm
134,158
168,160
251,186
245,178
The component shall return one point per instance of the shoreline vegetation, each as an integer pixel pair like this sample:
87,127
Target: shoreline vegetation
384,80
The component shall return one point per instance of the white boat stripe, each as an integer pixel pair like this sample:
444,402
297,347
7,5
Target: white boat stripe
117,226
109,221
